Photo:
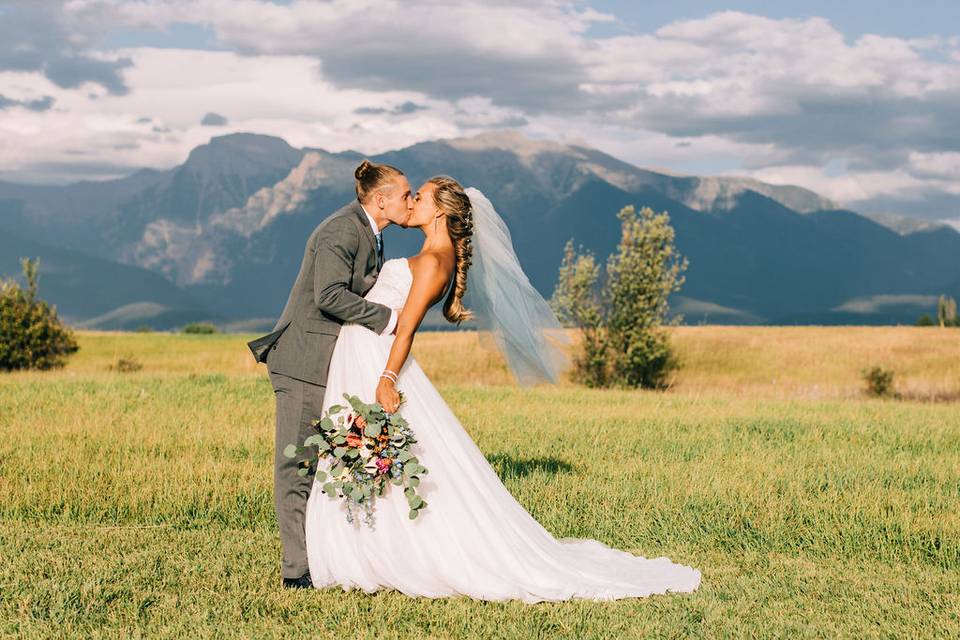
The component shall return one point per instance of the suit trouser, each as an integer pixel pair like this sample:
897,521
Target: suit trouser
298,404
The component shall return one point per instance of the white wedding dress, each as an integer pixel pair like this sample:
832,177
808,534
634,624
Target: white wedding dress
473,538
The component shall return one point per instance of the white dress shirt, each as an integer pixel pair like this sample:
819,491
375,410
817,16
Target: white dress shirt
393,312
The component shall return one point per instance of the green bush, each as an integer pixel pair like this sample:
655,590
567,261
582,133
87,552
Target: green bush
200,328
577,304
32,336
925,321
126,364
621,323
879,382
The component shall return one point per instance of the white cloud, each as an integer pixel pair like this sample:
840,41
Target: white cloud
778,99
848,188
944,165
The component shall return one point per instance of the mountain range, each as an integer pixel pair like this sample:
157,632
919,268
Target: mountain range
220,237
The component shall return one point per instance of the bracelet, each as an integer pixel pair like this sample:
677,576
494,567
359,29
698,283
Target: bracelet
389,375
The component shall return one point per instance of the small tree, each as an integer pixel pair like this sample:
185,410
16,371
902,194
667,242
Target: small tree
577,304
623,341
32,336
947,311
641,275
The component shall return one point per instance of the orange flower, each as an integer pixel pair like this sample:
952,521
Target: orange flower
354,440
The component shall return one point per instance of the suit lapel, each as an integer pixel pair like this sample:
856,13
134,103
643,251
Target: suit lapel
367,231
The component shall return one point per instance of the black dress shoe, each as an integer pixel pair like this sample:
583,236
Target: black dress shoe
303,582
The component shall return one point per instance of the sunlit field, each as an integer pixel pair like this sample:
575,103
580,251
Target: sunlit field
139,503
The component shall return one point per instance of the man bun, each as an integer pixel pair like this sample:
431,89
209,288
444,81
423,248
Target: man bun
370,176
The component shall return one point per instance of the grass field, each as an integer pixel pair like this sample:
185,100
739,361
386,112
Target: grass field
139,504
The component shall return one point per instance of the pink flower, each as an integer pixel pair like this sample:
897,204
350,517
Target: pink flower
383,464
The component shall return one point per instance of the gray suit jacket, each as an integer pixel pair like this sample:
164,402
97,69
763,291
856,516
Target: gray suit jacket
339,266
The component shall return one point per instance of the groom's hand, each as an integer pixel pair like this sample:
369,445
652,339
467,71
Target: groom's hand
388,396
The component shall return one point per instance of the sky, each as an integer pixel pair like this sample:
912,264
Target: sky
857,100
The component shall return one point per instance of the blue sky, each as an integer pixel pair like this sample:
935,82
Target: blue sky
855,100
853,17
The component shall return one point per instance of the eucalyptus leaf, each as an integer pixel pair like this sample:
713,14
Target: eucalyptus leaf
413,514
290,451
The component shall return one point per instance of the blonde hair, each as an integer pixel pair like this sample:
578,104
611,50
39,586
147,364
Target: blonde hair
451,199
370,176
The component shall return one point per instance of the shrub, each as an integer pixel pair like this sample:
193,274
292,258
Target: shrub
925,321
200,328
32,336
623,341
144,328
126,364
879,381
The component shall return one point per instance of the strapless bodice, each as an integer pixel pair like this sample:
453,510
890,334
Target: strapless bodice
393,284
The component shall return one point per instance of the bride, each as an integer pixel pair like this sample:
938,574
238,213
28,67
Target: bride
474,538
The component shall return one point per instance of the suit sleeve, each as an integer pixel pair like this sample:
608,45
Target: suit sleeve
334,256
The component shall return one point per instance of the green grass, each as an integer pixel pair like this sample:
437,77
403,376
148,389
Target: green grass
140,504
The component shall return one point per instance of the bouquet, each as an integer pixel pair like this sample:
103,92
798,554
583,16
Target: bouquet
367,448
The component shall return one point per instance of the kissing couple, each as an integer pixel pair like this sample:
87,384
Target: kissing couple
347,328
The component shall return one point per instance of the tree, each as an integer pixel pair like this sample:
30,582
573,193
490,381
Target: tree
577,303
32,336
947,311
621,325
641,275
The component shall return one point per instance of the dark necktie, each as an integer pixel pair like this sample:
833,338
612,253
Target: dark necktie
379,238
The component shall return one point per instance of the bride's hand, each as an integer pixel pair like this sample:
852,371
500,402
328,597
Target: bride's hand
388,396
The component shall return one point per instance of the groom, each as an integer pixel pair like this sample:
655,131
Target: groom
341,262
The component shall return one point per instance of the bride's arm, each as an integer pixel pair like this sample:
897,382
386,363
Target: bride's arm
428,283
